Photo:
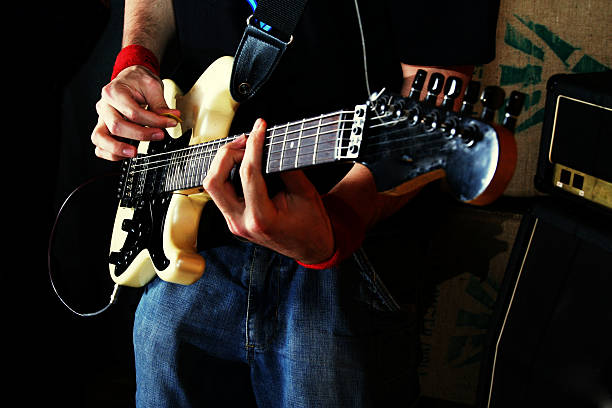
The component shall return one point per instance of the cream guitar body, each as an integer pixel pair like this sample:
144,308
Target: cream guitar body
207,110
405,143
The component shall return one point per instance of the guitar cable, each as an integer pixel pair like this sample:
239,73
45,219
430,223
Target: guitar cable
363,48
116,288
115,291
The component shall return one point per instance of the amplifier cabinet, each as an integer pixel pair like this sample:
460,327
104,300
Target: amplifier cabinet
575,157
549,343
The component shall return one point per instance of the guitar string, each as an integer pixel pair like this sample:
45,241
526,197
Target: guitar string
201,154
224,141
197,170
194,180
231,138
270,129
191,156
179,182
195,152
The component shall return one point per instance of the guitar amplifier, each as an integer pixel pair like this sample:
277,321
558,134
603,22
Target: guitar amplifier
574,159
550,334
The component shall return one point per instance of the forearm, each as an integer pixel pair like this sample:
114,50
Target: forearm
149,23
358,190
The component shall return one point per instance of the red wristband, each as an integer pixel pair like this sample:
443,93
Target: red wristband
348,228
135,55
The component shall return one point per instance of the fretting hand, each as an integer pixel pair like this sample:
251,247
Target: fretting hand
294,222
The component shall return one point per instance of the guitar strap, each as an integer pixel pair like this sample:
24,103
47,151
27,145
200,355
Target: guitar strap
268,33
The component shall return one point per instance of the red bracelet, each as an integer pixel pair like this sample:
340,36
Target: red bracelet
135,55
348,228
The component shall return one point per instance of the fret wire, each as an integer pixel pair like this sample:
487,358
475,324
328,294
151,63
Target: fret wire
185,169
171,161
195,164
339,135
210,155
426,145
280,163
269,151
229,139
179,167
330,131
189,172
187,164
317,118
316,144
171,167
297,151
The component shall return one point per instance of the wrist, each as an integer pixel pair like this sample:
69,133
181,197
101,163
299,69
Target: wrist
348,230
135,54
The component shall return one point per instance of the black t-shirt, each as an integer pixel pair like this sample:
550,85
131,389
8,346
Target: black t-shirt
323,69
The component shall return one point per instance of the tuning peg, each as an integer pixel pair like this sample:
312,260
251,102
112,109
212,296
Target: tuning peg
417,84
492,99
514,105
452,89
469,135
470,97
434,88
397,108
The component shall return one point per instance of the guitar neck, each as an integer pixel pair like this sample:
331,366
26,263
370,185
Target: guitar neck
294,145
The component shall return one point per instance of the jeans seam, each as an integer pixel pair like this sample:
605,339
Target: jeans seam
248,346
368,271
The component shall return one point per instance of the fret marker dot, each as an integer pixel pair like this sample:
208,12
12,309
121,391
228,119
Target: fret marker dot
291,145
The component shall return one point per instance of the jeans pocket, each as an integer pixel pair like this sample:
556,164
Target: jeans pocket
383,300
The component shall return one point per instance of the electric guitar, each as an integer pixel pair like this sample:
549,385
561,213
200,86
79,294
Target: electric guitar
404,143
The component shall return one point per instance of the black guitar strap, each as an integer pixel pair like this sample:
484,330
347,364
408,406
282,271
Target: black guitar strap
268,33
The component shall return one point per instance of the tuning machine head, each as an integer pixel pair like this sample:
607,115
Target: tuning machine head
514,106
417,84
434,88
492,99
470,98
452,89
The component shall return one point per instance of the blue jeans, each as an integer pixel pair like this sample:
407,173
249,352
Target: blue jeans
259,330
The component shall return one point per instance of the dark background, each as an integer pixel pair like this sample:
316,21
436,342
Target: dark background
65,55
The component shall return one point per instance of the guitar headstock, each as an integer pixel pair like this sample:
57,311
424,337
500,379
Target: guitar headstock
407,139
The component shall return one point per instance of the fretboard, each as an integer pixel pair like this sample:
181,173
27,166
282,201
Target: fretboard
294,145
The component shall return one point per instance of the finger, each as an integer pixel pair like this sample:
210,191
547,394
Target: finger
253,183
117,125
107,146
107,155
217,182
131,91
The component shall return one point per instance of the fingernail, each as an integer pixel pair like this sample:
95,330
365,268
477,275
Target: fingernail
258,124
129,152
157,136
241,140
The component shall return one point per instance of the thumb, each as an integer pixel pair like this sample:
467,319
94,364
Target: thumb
157,104
153,94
